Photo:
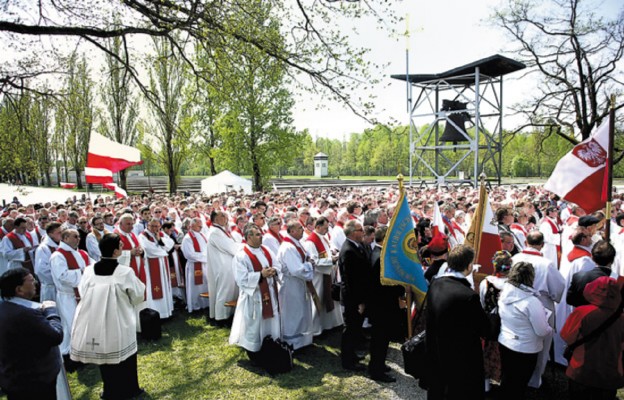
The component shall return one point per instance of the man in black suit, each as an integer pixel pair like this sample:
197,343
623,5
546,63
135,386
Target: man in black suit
385,315
603,254
30,334
355,271
455,325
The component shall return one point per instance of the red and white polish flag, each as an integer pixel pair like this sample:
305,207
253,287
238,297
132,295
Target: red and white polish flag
490,239
580,175
105,153
98,175
119,192
437,223
106,157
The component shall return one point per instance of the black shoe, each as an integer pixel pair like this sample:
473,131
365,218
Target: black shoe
354,367
358,357
383,378
387,368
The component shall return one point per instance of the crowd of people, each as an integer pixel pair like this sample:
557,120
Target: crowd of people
269,264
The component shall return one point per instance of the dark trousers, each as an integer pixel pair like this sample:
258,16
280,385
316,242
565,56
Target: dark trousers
40,391
579,391
351,335
380,340
121,380
516,371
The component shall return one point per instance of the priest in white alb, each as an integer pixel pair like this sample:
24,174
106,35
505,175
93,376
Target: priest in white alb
17,246
67,264
158,283
195,250
257,312
221,248
297,290
318,247
48,246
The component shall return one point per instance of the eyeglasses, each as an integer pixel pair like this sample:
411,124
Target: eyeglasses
157,212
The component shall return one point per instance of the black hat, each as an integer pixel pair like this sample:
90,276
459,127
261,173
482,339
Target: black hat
587,220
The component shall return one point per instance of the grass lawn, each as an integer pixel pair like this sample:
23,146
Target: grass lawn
193,360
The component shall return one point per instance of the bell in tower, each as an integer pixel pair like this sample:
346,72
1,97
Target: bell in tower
451,134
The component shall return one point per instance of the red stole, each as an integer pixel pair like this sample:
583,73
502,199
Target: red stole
72,264
197,267
309,284
327,281
555,230
449,226
553,226
532,252
571,220
237,229
18,244
38,234
139,270
518,227
340,224
154,269
267,304
577,253
277,236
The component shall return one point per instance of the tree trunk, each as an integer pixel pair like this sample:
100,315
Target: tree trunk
122,179
48,181
66,171
257,183
173,186
78,178
58,174
213,169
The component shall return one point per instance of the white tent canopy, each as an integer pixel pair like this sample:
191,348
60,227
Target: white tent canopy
225,181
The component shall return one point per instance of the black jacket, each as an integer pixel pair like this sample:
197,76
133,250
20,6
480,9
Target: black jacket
29,340
383,302
355,270
575,297
455,325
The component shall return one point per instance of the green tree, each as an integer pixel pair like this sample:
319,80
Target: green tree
260,130
317,53
77,104
577,55
171,130
119,117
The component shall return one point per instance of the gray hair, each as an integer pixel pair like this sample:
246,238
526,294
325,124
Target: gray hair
249,228
350,227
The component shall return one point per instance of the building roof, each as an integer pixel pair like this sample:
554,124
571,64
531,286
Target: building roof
491,66
321,155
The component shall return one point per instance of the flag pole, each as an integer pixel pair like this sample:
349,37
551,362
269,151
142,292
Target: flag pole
480,222
610,168
408,289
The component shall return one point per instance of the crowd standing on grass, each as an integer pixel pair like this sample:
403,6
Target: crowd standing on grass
295,265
